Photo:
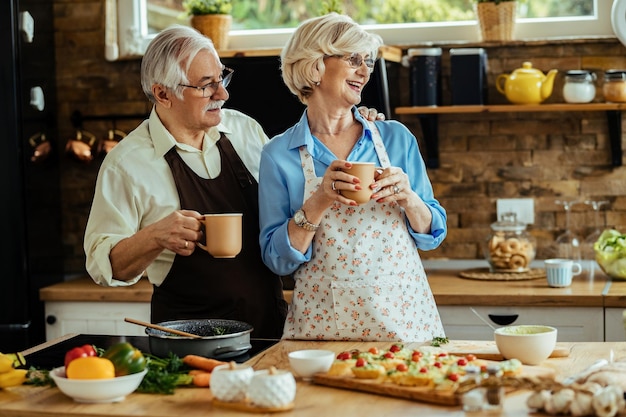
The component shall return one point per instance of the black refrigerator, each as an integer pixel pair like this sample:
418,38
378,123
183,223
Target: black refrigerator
31,254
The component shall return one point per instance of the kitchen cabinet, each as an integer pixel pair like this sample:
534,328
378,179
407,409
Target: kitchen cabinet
574,324
88,317
429,119
614,324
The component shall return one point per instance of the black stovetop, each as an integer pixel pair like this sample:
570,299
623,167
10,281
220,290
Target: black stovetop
53,356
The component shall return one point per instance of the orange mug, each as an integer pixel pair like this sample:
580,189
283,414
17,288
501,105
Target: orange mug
223,234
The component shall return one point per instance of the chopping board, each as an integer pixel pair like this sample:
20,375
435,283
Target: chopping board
489,351
421,394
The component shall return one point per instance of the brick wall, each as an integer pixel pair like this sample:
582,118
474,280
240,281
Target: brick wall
483,157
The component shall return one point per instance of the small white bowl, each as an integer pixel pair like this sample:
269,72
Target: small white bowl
531,344
306,363
97,390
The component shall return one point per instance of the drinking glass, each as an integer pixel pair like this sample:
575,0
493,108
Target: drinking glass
568,244
588,254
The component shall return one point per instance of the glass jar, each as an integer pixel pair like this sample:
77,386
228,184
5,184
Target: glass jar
509,248
579,86
614,88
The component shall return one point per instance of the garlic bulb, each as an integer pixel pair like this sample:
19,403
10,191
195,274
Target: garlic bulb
560,401
581,405
538,399
605,403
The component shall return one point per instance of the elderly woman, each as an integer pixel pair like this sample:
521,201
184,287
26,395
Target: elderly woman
357,270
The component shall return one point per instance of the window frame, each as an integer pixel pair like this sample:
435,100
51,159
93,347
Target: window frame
127,30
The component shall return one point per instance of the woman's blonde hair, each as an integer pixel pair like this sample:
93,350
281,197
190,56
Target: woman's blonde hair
302,59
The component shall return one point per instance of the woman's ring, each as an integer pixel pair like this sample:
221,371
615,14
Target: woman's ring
333,186
186,244
396,189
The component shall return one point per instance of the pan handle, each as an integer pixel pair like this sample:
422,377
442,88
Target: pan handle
231,349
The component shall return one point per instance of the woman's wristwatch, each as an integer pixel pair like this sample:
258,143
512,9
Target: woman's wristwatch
300,220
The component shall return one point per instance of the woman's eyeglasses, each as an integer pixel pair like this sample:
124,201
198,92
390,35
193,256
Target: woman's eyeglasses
356,60
209,89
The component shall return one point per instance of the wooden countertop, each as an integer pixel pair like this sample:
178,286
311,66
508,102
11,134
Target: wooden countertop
311,400
447,286
450,289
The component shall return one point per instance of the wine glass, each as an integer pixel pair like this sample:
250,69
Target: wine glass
568,244
588,254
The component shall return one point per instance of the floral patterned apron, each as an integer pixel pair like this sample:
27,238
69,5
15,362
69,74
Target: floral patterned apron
365,280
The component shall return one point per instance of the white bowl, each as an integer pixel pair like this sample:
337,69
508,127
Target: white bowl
97,390
306,363
531,344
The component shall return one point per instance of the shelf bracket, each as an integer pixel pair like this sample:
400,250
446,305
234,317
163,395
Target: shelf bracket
614,118
430,132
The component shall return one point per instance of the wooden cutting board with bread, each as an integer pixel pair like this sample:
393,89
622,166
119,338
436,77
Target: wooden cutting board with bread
432,377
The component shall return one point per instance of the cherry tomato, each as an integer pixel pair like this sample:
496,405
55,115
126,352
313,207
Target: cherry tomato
373,350
418,353
402,367
471,357
361,362
389,355
344,356
483,368
442,354
461,362
453,377
416,357
437,364
395,348
423,370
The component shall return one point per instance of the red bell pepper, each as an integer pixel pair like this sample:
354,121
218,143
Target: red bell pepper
79,352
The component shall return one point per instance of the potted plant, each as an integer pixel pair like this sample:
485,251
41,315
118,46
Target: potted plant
496,19
212,18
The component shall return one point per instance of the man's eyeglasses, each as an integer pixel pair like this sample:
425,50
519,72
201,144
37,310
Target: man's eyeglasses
209,89
356,60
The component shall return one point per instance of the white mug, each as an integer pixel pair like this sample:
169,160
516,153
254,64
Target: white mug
559,272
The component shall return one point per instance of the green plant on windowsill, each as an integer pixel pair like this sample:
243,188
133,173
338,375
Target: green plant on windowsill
331,6
204,7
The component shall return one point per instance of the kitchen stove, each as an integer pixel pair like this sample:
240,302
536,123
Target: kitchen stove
53,356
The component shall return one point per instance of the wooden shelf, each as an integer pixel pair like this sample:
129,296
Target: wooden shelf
390,53
511,108
428,116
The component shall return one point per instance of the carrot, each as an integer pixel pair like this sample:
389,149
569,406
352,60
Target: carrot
201,378
193,372
201,362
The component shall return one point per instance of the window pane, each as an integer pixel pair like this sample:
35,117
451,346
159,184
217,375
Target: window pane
271,14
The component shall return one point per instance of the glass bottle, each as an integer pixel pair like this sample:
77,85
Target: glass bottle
494,391
474,399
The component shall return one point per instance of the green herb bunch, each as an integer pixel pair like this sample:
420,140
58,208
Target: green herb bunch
201,7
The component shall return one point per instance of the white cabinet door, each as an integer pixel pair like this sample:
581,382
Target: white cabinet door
63,317
615,324
574,324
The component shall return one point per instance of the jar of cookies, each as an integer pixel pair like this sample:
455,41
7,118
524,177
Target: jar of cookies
509,248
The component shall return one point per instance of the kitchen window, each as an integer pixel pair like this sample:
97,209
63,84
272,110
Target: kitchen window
129,29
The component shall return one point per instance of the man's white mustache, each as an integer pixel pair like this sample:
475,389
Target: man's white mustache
214,105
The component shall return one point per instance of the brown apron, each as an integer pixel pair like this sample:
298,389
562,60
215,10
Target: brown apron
201,286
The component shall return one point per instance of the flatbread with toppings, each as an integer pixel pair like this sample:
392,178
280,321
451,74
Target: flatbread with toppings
423,373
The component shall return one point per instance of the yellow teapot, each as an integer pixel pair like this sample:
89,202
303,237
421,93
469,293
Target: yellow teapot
526,85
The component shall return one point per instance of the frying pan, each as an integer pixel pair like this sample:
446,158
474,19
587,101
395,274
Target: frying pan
220,338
